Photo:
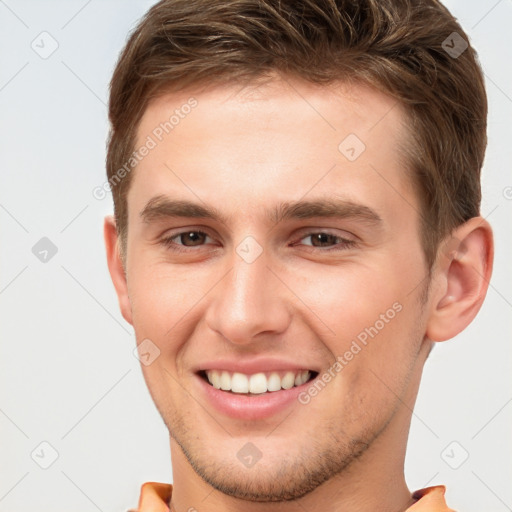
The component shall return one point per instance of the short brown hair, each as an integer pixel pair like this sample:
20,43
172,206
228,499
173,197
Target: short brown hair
400,47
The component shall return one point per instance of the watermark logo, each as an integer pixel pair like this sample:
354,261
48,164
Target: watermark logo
249,249
44,250
146,352
45,45
455,45
342,361
249,455
455,455
151,142
44,455
352,147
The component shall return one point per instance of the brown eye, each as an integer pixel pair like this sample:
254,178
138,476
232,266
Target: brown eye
328,241
322,239
189,242
191,238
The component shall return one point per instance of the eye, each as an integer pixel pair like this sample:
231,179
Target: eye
321,239
190,238
329,240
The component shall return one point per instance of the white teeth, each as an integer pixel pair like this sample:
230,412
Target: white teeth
215,379
239,383
225,381
301,377
257,383
274,382
288,380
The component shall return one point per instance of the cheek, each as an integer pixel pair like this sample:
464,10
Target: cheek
166,308
374,322
161,296
350,300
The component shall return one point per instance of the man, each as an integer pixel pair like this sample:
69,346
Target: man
296,189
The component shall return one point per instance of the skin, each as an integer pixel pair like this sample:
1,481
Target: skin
244,151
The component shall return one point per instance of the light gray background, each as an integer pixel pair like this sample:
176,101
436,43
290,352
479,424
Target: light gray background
68,374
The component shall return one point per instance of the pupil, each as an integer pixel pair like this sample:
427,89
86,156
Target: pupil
192,236
322,239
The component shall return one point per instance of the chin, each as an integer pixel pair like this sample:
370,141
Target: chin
261,484
289,474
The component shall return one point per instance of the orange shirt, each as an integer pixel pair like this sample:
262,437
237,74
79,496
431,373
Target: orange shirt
154,497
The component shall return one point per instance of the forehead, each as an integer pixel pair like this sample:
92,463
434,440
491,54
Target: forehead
335,107
276,140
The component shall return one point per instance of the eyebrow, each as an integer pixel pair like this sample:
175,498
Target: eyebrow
336,208
161,207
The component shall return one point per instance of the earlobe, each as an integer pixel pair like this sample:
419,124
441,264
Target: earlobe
116,268
462,273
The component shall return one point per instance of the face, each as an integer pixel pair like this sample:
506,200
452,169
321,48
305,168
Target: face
275,268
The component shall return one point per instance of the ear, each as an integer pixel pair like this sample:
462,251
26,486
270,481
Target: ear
460,279
116,268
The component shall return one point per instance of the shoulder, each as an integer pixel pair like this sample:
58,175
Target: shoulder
154,497
430,499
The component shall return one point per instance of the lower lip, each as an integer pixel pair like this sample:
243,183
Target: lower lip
253,407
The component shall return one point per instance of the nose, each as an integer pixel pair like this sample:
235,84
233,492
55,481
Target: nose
249,303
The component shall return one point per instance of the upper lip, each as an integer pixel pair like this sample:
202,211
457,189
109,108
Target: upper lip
254,365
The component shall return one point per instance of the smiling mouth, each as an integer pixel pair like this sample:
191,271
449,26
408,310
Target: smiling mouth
257,383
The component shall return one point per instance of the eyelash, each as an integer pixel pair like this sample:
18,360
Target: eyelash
180,248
